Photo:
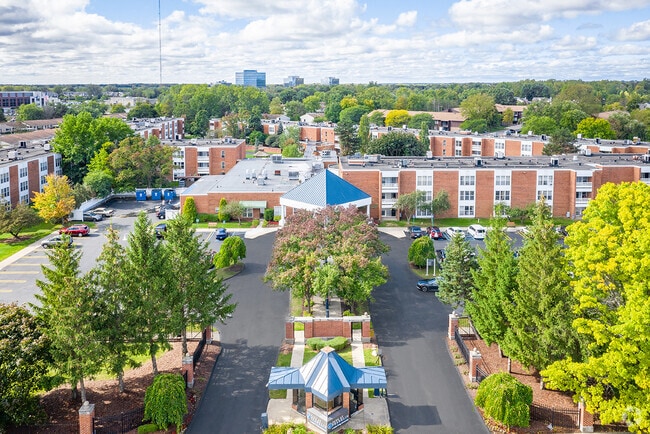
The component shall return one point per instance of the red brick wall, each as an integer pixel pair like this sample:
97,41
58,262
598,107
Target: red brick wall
484,193
564,198
310,133
231,156
191,163
14,184
369,181
524,188
487,147
209,203
33,176
327,134
538,147
330,329
50,164
447,180
513,148
406,181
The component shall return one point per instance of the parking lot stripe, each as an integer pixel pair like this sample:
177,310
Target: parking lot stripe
12,281
25,264
19,272
6,290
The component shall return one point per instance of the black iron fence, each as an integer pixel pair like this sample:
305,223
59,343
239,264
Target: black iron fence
564,417
481,373
119,423
199,350
461,345
58,428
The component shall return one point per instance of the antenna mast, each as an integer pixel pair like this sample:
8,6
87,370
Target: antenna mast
159,43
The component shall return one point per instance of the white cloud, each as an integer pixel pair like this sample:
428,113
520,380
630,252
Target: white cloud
636,32
574,43
407,19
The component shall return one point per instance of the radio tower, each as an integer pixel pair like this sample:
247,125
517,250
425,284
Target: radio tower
159,43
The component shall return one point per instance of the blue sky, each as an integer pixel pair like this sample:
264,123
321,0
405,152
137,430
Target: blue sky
407,41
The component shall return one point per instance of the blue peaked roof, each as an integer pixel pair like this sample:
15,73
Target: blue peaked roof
327,375
324,189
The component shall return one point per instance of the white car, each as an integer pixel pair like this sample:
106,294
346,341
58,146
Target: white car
455,231
477,231
106,212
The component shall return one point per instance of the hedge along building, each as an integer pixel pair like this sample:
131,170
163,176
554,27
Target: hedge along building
327,390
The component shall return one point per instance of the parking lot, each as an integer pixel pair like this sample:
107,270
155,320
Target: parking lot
18,278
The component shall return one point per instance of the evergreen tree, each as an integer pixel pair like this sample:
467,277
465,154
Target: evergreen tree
146,263
68,308
189,209
541,314
456,283
424,136
363,133
195,295
494,283
222,214
347,137
117,324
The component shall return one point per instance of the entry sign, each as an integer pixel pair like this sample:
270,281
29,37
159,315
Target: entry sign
431,261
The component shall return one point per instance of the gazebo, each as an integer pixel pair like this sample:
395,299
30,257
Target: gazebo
327,390
322,190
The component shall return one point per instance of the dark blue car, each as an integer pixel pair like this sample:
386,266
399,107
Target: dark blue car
221,234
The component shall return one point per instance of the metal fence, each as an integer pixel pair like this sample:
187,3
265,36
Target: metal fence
119,424
199,350
565,417
461,345
482,373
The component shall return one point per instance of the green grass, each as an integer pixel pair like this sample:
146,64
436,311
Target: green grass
369,358
232,225
9,245
228,272
421,272
284,360
346,354
138,359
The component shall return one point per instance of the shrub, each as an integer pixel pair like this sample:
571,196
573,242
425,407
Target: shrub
208,218
505,399
338,343
265,223
189,209
285,428
268,214
147,428
379,429
421,250
165,402
277,218
232,251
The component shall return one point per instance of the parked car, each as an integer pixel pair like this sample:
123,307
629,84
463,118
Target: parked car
416,232
106,212
455,231
561,230
56,241
92,217
160,230
428,285
75,230
441,255
162,212
435,232
221,234
477,231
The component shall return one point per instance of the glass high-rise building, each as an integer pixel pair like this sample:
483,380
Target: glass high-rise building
250,77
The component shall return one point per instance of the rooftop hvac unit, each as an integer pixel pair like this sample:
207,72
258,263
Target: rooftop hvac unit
500,155
253,174
248,175
317,166
588,152
555,162
23,144
645,158
12,155
293,175
478,162
260,181
598,141
47,147
579,136
530,132
276,159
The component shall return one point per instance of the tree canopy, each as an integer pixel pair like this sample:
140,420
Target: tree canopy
397,143
57,201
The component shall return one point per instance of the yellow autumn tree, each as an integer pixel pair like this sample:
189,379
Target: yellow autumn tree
56,202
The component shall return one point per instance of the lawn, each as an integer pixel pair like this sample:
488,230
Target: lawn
9,245
346,354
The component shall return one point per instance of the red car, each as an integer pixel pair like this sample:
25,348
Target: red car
75,230
435,232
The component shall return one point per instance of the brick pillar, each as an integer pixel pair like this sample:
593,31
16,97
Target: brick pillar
309,400
474,360
188,366
294,399
208,335
347,329
288,332
365,328
86,416
453,325
309,329
586,418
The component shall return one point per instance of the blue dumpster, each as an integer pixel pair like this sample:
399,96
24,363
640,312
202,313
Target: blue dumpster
156,194
170,194
141,195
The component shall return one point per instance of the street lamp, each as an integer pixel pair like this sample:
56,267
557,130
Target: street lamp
323,262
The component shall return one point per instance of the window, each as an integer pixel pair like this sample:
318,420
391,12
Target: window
4,192
444,152
458,152
22,172
582,195
24,198
545,180
467,210
223,154
389,196
43,166
467,180
179,165
57,162
466,195
425,180
526,147
24,186
248,213
501,195
499,145
389,181
204,165
43,179
546,194
502,180
179,154
580,179
223,164
203,154
4,177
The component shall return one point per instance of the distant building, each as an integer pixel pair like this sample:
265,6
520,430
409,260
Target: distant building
163,128
293,80
250,77
14,99
331,81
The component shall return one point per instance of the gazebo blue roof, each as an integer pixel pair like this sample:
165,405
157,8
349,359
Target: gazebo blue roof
326,188
327,376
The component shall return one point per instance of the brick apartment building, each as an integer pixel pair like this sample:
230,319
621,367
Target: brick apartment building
23,170
163,128
196,158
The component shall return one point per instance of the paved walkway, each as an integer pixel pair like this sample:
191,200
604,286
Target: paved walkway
375,410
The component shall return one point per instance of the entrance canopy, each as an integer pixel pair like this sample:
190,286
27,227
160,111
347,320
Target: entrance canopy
322,190
327,376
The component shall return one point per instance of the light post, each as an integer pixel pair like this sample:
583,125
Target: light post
323,262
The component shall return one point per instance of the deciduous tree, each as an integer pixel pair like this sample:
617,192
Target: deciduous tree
595,128
609,253
408,203
14,220
232,250
140,163
397,118
235,211
397,144
347,137
56,202
421,250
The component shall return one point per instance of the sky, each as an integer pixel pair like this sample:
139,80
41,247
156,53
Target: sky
384,41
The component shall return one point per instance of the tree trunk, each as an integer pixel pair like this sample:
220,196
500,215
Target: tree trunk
184,340
74,392
152,352
83,389
120,381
